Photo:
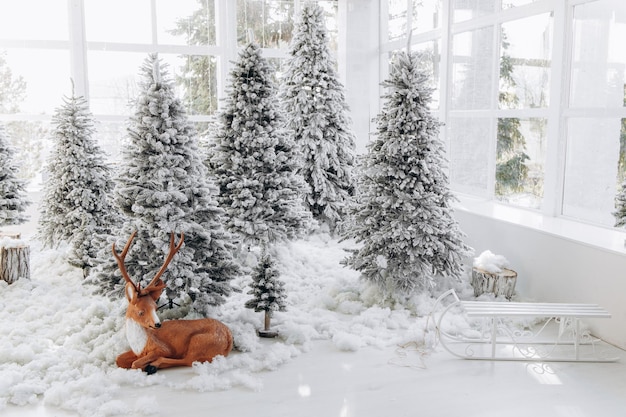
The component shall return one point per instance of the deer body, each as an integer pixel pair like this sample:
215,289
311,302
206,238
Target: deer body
155,345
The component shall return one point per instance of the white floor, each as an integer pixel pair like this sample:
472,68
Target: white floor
376,383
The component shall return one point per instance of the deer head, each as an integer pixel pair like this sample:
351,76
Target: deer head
142,301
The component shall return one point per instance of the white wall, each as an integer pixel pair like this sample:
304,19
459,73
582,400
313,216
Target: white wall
555,269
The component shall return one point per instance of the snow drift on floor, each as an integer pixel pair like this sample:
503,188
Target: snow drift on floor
59,341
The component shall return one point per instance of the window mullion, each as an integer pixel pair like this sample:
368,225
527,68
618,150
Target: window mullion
559,92
78,50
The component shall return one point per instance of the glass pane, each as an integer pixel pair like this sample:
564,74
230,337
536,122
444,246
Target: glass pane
30,140
599,56
113,81
426,15
42,90
397,19
470,9
507,4
118,21
430,58
520,161
469,154
111,137
195,78
472,69
268,22
526,47
186,22
591,169
34,19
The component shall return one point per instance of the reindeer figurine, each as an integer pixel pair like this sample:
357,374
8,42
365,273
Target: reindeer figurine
155,345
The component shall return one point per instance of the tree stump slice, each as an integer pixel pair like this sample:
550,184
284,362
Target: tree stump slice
14,263
499,283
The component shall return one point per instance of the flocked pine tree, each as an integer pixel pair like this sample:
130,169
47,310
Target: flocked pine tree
13,200
402,215
620,206
268,292
75,206
317,114
254,161
162,187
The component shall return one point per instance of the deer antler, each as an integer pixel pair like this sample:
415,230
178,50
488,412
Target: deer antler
156,284
120,259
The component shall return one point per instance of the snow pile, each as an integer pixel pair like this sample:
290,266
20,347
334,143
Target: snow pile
59,341
7,242
489,262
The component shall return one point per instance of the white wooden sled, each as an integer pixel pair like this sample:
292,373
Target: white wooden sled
494,338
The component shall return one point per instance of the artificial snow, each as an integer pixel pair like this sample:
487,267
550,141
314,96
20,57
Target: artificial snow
489,262
60,340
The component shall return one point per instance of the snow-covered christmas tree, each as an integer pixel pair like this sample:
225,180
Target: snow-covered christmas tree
317,114
403,216
268,292
162,187
254,161
13,200
75,208
620,206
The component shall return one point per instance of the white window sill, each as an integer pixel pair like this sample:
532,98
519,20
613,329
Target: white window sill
586,234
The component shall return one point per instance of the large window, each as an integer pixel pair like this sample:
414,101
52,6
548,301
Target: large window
48,47
532,97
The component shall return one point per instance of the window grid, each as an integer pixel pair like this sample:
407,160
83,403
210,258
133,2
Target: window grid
556,116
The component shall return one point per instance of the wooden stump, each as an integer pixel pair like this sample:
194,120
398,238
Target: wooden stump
14,263
12,235
499,283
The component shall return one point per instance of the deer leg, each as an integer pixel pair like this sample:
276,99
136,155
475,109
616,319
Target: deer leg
126,359
163,363
145,363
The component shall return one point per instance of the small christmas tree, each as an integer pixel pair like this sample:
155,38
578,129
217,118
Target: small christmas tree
75,207
316,113
254,161
13,201
162,188
268,291
402,214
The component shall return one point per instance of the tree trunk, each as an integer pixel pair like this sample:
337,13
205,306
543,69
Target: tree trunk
266,332
266,324
14,263
499,283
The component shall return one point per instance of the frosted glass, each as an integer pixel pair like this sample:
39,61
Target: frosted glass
113,81
599,56
397,19
44,88
270,22
469,154
526,44
105,22
470,9
593,147
472,69
34,19
170,12
426,15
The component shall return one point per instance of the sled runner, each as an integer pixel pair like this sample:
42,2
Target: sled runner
494,333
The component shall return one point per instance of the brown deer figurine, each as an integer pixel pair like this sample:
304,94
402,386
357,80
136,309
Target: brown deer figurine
155,345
